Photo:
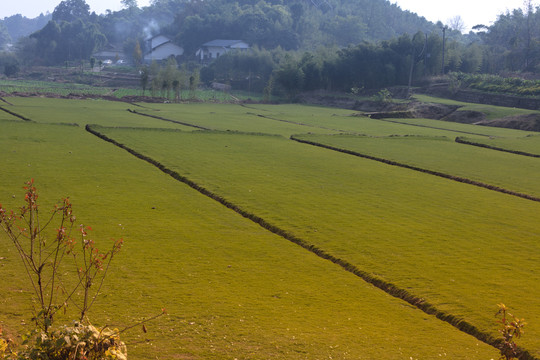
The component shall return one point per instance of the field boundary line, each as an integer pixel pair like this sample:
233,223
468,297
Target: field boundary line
15,114
7,102
297,123
383,285
250,107
460,140
422,170
169,120
431,127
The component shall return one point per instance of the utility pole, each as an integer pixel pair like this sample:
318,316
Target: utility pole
426,55
413,61
443,44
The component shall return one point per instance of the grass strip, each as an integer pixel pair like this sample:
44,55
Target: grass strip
169,120
386,286
425,171
460,140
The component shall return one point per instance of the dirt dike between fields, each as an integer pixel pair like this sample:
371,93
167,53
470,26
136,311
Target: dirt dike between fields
15,114
384,285
425,171
168,120
516,152
74,96
4,100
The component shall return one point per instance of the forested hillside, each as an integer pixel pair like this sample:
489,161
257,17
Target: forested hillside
296,45
18,26
291,25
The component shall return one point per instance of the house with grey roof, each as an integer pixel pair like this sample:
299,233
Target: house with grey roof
161,48
213,49
109,53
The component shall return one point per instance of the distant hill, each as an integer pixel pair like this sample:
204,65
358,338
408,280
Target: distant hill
19,26
299,24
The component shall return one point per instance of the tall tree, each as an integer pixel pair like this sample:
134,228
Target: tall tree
528,33
456,23
19,26
4,36
290,77
9,65
137,54
66,42
71,10
129,4
514,40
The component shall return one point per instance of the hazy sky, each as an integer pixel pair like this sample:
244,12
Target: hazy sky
471,11
32,8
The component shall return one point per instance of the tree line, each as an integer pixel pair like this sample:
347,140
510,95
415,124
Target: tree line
290,25
297,45
169,80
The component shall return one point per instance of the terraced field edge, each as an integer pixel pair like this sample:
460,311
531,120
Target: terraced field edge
169,120
415,168
14,114
460,140
429,127
4,100
384,285
295,122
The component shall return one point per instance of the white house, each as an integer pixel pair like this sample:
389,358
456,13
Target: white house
161,48
157,40
110,53
213,49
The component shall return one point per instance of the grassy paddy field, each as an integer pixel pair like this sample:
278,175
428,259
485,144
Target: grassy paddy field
529,144
235,290
492,112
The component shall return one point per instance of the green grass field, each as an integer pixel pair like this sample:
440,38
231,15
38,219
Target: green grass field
492,112
528,144
234,290
65,89
444,155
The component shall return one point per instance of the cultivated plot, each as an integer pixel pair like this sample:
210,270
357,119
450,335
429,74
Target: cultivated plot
235,290
83,112
231,288
505,170
451,244
492,112
528,145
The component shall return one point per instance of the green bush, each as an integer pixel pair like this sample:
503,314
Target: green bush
9,65
500,85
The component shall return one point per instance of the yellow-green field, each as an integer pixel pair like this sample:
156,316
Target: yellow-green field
233,289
